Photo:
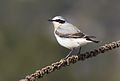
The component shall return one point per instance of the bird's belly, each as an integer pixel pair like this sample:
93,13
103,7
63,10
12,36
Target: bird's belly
71,42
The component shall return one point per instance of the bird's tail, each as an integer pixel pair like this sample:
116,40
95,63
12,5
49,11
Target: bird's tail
95,41
89,38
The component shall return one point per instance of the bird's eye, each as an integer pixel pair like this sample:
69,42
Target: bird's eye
60,21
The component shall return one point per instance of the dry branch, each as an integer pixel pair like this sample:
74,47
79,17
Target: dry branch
71,60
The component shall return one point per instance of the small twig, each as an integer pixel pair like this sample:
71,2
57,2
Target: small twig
71,60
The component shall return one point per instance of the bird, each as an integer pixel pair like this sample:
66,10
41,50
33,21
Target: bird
69,36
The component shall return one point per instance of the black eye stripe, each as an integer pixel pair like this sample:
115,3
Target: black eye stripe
60,21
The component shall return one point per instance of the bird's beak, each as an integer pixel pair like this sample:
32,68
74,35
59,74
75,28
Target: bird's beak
50,20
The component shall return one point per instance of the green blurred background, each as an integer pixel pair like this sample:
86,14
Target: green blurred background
27,42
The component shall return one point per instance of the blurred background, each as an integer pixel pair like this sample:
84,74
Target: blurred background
27,42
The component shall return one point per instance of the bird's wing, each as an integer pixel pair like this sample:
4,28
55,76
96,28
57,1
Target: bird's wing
75,35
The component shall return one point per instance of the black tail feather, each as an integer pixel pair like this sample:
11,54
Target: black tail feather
95,41
89,38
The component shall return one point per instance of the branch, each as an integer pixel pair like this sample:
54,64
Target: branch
71,60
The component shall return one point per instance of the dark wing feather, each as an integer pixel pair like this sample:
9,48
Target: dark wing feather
77,35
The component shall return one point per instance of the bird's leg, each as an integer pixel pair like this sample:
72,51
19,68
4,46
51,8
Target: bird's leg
79,50
69,53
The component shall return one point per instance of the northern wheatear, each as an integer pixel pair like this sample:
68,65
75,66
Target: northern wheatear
68,35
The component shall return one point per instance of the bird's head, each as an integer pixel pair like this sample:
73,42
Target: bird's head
57,21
